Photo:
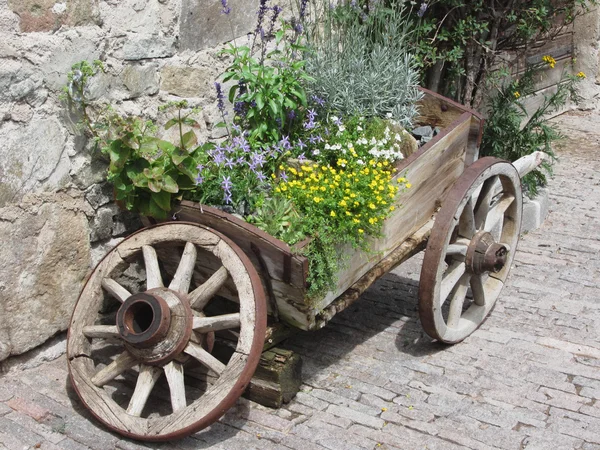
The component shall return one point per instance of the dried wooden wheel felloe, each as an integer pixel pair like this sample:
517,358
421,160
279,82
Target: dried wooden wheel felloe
470,250
166,330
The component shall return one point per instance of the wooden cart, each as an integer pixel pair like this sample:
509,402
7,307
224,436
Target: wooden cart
465,210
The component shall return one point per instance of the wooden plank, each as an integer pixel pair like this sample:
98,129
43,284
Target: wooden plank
205,358
438,111
276,254
216,323
432,171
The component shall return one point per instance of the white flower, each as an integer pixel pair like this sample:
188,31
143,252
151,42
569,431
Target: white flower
360,162
316,152
398,137
359,128
342,128
389,115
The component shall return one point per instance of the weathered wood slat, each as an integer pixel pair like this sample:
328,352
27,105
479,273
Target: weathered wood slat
183,277
115,289
205,358
201,295
174,374
147,378
153,277
123,362
101,331
217,323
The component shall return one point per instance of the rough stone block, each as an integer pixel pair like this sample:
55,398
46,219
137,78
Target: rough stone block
187,81
141,80
50,15
42,268
535,211
203,24
147,47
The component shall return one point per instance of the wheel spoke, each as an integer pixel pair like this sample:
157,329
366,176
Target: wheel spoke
459,293
153,277
493,222
484,201
185,270
460,247
101,331
174,374
222,322
123,362
200,297
145,383
478,290
466,224
205,358
451,277
115,289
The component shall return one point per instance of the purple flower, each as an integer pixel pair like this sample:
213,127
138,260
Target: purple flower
218,157
301,145
302,158
220,99
285,143
257,159
303,5
337,121
276,11
227,198
283,176
199,179
229,163
262,10
200,167
236,128
226,184
422,9
312,114
240,109
226,9
261,176
318,100
309,125
312,140
291,115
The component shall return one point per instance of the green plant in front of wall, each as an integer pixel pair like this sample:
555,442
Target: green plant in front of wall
361,64
511,132
147,172
268,94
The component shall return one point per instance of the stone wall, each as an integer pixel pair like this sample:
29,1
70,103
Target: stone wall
57,217
587,54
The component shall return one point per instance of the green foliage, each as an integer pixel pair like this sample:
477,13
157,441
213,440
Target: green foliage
457,42
278,217
147,172
269,92
361,64
506,136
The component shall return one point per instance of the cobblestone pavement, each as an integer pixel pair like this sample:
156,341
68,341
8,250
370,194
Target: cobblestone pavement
528,379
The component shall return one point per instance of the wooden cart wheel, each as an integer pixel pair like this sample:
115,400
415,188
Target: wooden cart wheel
160,329
470,250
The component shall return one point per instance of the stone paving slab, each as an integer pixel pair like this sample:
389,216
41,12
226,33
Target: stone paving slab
529,378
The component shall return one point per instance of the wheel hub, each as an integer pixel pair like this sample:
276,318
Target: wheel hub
485,254
155,325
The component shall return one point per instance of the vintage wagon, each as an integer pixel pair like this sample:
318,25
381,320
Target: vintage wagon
211,277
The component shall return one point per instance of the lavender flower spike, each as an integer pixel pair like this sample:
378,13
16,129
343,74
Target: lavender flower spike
422,9
220,98
226,9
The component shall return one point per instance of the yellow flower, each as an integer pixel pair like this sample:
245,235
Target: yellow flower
408,185
316,199
550,61
361,231
333,214
581,75
372,206
355,220
392,208
343,203
517,94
